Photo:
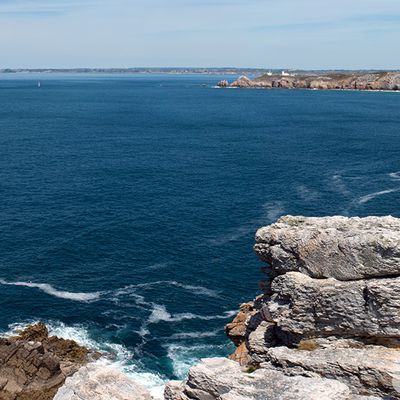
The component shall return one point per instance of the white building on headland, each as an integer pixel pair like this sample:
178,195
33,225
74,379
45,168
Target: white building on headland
284,73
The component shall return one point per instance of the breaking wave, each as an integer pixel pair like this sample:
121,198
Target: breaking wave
183,357
122,356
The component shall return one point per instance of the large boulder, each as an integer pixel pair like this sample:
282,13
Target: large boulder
332,247
222,379
97,381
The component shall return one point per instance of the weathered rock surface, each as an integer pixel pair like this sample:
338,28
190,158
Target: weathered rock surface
332,247
96,381
33,365
330,314
349,81
369,369
303,307
222,379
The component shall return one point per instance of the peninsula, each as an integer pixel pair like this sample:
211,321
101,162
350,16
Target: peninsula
323,81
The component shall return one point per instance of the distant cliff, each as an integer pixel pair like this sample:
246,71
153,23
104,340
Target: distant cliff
338,81
328,324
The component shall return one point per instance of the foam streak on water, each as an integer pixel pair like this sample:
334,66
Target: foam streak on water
371,196
50,290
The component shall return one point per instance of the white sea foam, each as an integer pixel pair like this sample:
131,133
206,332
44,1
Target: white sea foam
122,356
131,290
395,175
159,313
371,196
52,291
183,357
195,335
196,289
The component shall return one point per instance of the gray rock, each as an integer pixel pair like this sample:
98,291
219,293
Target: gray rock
303,307
372,370
96,381
332,247
222,379
174,390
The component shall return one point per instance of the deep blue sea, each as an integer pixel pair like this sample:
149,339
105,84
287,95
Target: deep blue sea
129,203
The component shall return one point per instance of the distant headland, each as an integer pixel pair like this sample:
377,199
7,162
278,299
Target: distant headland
334,80
142,70
280,76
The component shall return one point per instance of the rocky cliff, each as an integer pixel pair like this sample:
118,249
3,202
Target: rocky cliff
355,81
327,325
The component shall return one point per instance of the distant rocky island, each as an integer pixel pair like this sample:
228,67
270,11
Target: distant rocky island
326,327
322,81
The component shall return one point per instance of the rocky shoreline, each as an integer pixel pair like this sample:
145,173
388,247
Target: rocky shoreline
36,366
33,365
326,327
333,81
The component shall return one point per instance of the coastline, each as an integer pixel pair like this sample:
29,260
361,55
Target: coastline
384,81
326,326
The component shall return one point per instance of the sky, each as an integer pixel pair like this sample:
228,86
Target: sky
309,34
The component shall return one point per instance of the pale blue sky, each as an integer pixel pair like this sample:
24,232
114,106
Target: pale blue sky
243,33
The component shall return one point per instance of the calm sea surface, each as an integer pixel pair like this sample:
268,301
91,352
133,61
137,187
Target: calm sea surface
129,203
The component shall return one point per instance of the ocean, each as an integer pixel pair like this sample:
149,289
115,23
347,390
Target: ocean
129,203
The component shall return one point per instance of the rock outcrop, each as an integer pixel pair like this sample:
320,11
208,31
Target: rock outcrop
33,365
36,366
219,378
337,247
327,324
97,381
338,81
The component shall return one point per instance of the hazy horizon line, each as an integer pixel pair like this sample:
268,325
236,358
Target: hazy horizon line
5,69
